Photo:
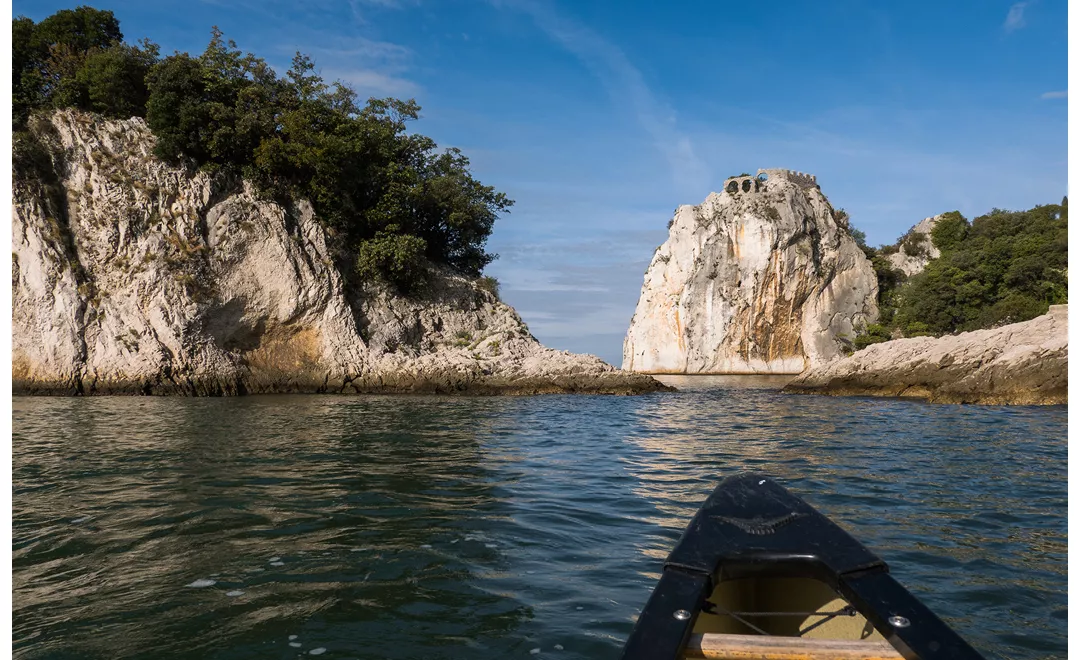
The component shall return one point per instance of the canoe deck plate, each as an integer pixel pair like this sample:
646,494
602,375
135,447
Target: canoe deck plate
759,526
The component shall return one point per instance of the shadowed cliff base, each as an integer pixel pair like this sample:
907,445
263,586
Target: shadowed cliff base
609,383
1018,364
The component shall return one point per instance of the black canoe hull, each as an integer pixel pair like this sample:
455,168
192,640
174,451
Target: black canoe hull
751,528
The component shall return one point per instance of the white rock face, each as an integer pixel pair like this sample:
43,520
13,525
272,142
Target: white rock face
130,275
912,264
752,281
1022,363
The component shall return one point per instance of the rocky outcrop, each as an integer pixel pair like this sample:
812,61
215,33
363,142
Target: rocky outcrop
132,276
916,248
1022,363
760,278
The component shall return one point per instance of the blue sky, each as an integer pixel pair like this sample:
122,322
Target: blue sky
599,118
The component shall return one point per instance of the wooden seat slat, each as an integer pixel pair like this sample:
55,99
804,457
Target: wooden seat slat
763,647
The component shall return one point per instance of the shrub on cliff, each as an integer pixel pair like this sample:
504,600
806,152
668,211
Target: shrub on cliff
489,284
874,333
394,258
949,230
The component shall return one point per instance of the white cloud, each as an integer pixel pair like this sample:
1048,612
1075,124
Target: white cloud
363,48
370,67
1015,18
1063,94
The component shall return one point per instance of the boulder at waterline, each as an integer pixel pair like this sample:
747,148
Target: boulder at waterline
1021,363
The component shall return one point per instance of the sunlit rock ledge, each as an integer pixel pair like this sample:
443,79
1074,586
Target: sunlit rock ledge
1020,364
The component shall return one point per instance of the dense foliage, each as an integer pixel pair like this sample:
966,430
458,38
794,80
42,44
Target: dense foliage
77,58
394,201
1003,267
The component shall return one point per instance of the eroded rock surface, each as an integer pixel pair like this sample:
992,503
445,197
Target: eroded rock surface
1021,363
907,262
132,276
761,278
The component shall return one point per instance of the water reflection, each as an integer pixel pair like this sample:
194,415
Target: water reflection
405,527
964,502
339,520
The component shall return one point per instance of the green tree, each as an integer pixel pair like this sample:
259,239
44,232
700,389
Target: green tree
48,56
28,56
1002,268
176,109
83,28
859,236
394,258
115,79
949,231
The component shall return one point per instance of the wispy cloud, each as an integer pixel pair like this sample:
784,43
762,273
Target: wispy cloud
366,82
359,8
1015,18
369,49
1063,94
370,67
389,4
625,84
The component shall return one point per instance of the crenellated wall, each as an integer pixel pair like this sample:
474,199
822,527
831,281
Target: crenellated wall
801,178
759,182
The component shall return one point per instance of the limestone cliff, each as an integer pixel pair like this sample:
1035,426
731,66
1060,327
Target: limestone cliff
1022,363
915,249
760,278
130,275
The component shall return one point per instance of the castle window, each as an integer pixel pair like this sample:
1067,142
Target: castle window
746,185
733,187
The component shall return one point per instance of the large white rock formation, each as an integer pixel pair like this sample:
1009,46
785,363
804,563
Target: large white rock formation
760,278
130,275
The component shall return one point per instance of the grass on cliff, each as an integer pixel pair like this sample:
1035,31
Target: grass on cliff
395,204
1002,267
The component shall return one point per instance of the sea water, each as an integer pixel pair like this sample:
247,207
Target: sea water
459,527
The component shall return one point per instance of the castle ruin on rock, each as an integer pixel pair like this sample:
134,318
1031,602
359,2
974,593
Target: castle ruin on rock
760,182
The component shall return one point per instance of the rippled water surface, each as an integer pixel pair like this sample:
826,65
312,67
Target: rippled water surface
432,527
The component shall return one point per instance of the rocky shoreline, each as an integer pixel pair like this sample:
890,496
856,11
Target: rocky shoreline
1018,364
131,276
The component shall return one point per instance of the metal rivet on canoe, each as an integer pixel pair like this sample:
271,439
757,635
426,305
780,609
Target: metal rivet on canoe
899,622
681,615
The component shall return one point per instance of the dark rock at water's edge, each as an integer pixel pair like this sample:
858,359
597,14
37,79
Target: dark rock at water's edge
612,383
1019,364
